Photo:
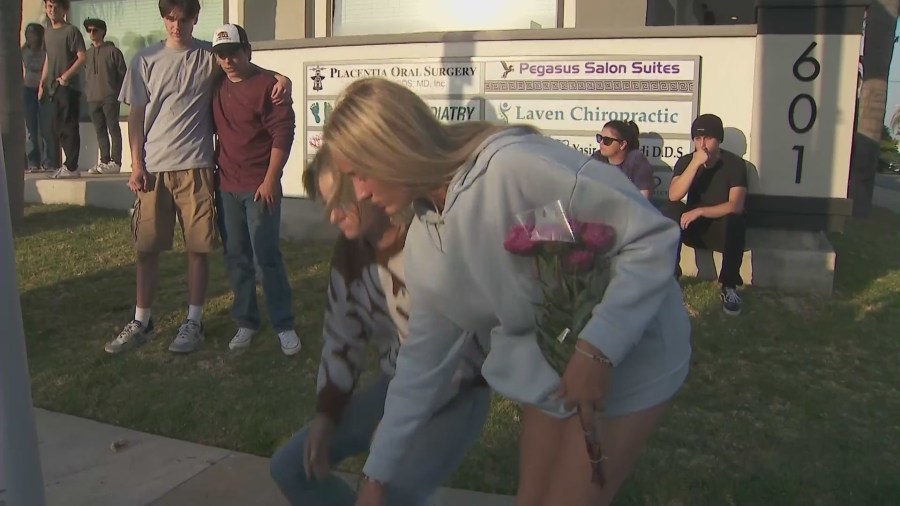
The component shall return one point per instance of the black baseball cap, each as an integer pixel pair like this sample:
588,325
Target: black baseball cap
94,22
708,125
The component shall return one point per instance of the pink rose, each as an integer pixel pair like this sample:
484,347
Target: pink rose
578,260
518,240
597,237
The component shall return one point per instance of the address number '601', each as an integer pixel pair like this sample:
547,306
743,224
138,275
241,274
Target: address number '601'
802,126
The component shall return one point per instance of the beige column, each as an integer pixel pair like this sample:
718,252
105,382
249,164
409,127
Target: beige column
321,18
610,14
290,20
569,8
235,13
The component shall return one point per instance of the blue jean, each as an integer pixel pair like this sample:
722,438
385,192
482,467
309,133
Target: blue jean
250,230
432,457
38,130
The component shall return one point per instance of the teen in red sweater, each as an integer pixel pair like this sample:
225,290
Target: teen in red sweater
254,140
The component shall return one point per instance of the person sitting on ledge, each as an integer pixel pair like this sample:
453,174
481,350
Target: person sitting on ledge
715,183
620,146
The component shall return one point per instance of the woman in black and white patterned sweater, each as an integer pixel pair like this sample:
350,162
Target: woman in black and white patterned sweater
368,304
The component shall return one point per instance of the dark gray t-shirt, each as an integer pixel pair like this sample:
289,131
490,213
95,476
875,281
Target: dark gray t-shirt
175,86
63,45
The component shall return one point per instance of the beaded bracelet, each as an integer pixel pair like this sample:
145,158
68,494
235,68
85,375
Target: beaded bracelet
598,357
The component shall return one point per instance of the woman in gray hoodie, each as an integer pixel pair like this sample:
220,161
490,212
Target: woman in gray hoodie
467,182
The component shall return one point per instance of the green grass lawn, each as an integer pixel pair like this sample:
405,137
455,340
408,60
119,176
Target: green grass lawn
795,402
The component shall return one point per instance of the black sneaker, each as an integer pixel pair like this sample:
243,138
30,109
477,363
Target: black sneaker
731,301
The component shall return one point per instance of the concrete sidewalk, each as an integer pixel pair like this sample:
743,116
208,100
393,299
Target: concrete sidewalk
87,463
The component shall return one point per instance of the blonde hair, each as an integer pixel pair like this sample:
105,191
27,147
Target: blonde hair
343,195
386,132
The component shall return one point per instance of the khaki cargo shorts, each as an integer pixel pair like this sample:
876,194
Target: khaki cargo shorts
185,195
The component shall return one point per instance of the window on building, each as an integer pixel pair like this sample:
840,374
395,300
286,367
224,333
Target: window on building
135,24
701,12
368,17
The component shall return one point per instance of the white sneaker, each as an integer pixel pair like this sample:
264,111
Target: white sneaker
242,339
64,173
290,343
97,169
189,337
110,168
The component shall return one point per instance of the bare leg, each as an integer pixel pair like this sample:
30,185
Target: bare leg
569,479
198,278
622,439
147,278
539,447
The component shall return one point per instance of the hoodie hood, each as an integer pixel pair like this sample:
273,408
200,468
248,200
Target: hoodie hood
474,167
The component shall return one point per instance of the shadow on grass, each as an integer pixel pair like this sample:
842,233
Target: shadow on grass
867,250
93,307
46,218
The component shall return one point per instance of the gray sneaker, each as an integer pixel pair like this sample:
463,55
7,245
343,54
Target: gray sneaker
241,339
189,337
133,335
64,173
109,168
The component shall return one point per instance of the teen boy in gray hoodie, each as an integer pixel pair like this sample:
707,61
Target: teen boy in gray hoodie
105,73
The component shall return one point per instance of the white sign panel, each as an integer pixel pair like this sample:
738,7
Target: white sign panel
664,117
568,98
662,155
439,78
803,119
447,111
660,151
648,70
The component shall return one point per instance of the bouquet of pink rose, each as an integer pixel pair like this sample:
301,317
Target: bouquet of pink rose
573,269
571,263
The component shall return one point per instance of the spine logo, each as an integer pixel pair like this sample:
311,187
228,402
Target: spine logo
317,78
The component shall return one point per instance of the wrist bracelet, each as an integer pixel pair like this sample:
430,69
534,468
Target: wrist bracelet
600,357
366,477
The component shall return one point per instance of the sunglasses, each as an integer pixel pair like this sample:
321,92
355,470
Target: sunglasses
227,51
606,141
